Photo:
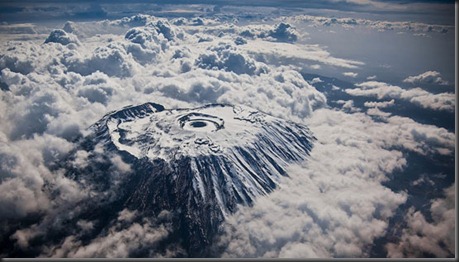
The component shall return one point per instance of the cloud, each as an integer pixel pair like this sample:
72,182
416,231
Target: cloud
348,105
429,77
112,60
423,139
270,44
284,32
17,63
436,237
228,58
120,165
383,104
26,28
415,27
315,67
417,96
280,32
279,92
157,31
24,172
122,239
286,52
62,37
422,35
146,45
350,74
315,80
376,112
115,59
373,77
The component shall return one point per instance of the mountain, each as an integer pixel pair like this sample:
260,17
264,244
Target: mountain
198,164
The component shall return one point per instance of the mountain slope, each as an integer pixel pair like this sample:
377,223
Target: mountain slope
198,164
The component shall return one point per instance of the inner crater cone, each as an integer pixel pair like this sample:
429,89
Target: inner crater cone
201,122
198,124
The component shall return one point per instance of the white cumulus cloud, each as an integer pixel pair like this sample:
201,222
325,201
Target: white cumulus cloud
429,77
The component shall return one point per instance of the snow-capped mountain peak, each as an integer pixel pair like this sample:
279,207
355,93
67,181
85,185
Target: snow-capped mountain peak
199,163
247,148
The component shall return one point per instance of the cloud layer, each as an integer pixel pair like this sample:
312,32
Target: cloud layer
54,86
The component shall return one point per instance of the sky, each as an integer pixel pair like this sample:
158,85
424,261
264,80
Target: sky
374,81
428,11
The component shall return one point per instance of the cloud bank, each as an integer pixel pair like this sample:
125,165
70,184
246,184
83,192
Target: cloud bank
414,27
417,96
